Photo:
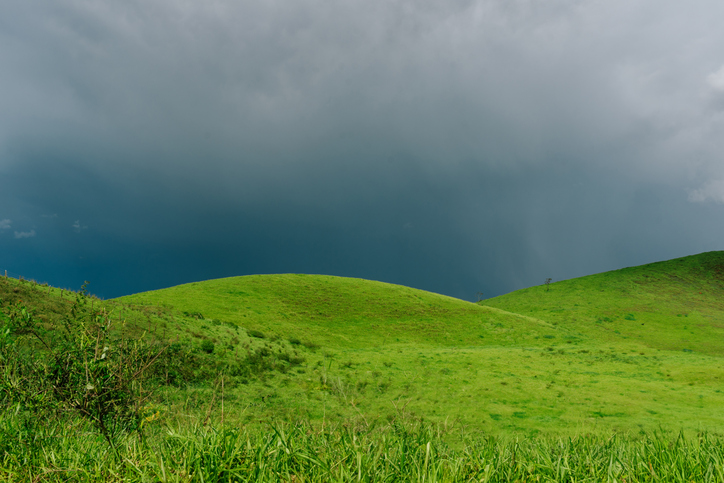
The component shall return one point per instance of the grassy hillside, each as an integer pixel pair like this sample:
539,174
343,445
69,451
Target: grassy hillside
382,349
287,375
568,359
344,313
677,305
629,350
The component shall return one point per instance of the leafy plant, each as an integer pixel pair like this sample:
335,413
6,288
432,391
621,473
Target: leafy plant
81,368
256,333
207,346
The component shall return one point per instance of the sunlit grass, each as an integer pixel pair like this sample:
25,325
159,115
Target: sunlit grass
575,357
400,450
315,378
343,312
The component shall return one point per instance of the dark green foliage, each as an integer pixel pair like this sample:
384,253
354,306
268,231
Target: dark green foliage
256,333
79,367
195,315
310,345
175,366
207,346
182,364
262,361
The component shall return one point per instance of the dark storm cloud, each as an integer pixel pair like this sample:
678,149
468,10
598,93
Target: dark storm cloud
245,83
453,146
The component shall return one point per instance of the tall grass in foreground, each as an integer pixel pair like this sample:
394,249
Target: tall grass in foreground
32,450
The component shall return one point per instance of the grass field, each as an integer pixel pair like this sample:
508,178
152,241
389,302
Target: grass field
635,353
670,306
400,451
629,350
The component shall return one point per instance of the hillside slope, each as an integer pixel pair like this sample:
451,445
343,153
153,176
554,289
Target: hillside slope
673,305
569,358
573,358
345,312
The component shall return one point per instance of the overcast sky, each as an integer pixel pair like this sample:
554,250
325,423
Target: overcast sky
454,146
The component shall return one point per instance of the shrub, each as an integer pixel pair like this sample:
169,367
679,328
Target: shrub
256,333
79,368
195,315
207,346
310,345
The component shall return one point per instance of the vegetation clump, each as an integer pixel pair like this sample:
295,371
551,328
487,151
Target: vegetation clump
256,333
79,367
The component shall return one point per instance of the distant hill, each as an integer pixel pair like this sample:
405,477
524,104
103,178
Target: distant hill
672,305
636,349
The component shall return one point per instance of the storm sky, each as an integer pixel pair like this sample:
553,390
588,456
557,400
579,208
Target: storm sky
457,146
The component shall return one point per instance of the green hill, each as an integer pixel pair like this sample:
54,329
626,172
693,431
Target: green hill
314,378
565,358
677,305
344,313
629,350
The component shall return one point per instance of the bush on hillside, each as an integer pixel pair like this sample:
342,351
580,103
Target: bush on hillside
207,346
79,368
256,333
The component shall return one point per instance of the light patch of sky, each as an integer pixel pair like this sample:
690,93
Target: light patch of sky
710,191
716,79
78,227
24,234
